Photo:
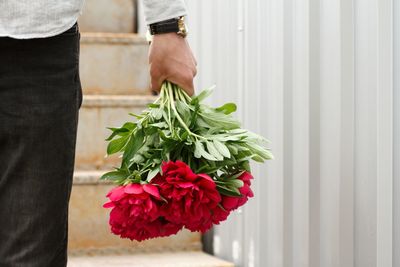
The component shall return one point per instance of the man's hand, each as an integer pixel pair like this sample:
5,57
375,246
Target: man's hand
171,59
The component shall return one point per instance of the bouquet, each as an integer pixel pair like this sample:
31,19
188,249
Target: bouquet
183,165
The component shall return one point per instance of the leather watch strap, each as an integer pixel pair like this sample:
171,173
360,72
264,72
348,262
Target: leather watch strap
166,26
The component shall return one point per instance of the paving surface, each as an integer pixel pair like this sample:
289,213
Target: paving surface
176,259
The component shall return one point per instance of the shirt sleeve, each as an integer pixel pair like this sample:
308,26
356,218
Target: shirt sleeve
159,10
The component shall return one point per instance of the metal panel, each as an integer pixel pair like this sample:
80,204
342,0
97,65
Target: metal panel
396,135
373,147
316,78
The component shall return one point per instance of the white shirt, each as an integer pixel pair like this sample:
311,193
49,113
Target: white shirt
25,19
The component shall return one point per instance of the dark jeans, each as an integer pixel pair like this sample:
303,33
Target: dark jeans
40,96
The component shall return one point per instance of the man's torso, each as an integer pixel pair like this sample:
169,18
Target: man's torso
24,19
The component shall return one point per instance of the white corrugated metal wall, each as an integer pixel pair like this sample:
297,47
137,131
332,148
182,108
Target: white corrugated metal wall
320,79
396,132
317,78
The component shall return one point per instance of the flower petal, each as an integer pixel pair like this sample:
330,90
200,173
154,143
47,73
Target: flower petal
246,176
116,193
230,203
152,190
133,189
109,204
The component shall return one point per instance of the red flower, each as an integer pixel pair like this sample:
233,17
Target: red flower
135,214
232,203
219,214
191,197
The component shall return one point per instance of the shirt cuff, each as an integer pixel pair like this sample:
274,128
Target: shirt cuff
160,10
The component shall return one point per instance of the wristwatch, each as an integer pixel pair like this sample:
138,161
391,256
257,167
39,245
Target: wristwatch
176,25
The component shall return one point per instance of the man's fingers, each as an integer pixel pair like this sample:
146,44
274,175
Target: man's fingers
171,59
195,71
156,84
194,60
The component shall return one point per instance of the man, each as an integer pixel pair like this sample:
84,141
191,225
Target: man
40,96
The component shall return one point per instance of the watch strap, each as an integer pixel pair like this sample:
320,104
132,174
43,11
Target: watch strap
165,26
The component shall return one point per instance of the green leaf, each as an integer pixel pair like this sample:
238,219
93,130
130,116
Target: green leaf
129,125
150,130
235,176
228,108
114,175
134,144
122,131
136,115
203,95
222,148
259,150
156,113
202,124
137,158
228,191
233,149
213,151
153,105
219,120
161,124
184,111
197,149
201,152
152,173
246,166
258,158
116,145
117,131
235,183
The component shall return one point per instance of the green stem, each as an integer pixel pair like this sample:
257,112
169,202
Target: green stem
188,98
183,96
172,101
179,117
164,96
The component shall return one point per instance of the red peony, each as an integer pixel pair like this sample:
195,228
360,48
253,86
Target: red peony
190,197
219,214
174,199
135,213
231,203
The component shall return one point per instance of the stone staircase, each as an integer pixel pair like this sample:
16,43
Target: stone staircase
115,81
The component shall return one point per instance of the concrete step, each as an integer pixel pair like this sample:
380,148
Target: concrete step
114,63
97,113
108,16
89,232
181,259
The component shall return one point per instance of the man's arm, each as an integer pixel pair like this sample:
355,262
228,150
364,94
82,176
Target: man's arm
170,56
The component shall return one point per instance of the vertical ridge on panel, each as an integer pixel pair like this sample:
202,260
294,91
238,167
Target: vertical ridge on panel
221,46
365,202
301,133
229,235
314,128
347,134
330,132
237,225
207,64
272,95
385,134
396,135
252,117
288,157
